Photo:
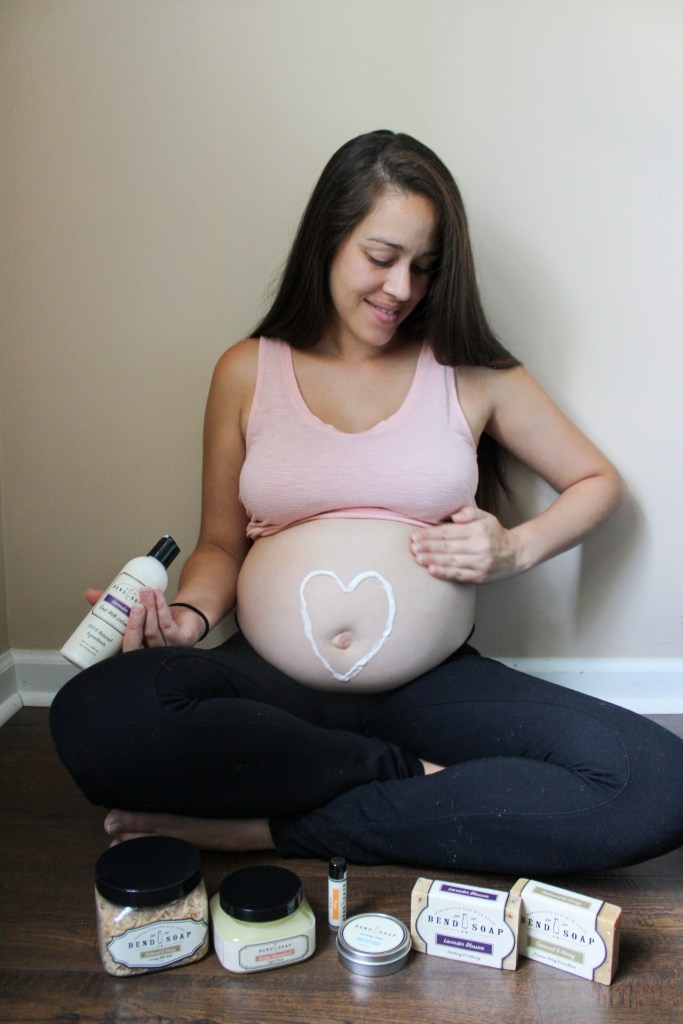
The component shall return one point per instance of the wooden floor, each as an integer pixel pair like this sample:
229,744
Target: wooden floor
50,970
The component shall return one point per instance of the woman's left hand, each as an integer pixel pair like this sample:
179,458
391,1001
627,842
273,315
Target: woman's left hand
473,548
153,623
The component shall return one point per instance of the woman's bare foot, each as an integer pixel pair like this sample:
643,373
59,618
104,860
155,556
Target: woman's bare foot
431,768
205,833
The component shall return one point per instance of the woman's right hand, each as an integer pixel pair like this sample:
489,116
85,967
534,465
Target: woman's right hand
152,623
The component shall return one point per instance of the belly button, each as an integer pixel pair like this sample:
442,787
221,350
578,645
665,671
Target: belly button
343,640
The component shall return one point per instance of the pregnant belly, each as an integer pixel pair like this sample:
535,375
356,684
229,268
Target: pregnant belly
341,604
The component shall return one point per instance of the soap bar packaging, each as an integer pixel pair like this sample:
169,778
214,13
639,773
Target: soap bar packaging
461,922
574,933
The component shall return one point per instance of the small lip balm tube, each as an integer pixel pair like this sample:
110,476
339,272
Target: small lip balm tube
336,892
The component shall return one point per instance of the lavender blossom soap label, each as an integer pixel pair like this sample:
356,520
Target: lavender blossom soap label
459,922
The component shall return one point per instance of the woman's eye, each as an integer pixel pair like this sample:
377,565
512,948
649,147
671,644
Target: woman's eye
416,268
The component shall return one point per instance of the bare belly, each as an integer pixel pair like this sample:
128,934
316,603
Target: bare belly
340,604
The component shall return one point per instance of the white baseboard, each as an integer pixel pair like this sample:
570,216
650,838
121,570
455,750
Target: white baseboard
30,679
650,686
10,701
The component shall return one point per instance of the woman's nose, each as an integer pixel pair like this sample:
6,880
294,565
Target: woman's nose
398,282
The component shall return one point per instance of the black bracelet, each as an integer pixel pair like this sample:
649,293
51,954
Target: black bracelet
202,616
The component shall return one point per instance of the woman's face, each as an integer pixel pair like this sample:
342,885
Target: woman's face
382,270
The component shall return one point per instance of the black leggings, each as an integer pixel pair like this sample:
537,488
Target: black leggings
539,779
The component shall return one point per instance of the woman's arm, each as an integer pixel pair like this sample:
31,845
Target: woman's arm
512,407
209,578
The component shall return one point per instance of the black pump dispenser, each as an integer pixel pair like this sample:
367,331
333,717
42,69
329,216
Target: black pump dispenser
165,550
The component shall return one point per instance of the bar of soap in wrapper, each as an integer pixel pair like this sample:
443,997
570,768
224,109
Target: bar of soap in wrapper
463,922
574,933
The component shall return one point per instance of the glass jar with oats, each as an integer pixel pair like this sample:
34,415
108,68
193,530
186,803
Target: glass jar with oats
152,907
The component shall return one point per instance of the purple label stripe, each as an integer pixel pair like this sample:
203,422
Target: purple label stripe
115,603
458,890
474,947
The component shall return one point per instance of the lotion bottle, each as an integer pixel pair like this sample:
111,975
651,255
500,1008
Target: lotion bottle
100,634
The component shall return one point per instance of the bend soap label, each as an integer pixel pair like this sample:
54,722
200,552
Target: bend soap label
459,922
574,933
115,606
159,944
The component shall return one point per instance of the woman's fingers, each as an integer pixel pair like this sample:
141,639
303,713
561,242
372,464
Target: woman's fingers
133,638
473,548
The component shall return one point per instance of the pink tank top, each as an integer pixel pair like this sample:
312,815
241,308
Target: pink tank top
419,466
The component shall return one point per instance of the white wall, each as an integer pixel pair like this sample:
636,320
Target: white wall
155,158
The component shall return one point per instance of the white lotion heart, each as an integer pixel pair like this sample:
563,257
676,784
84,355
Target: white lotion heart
355,582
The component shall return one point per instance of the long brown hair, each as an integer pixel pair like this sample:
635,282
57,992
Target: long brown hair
450,316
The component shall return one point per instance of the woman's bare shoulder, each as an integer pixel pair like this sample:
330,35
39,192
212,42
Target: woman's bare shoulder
481,390
240,359
486,378
235,372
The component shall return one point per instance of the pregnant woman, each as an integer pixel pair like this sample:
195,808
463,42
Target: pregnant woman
350,451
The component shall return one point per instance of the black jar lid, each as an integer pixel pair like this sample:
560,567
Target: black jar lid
261,893
148,871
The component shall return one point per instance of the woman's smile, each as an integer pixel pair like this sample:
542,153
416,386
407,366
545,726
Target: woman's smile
385,313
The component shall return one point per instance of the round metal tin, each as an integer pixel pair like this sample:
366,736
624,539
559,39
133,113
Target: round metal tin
373,944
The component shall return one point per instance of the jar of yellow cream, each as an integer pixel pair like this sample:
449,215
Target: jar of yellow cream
152,908
262,920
